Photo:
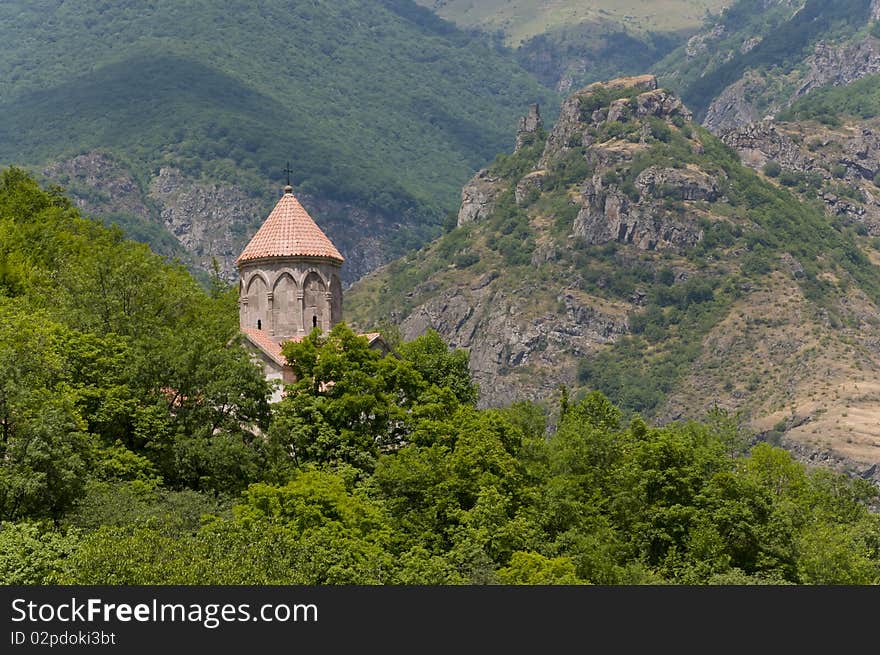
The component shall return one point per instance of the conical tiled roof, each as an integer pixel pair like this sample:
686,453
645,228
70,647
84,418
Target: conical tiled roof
289,232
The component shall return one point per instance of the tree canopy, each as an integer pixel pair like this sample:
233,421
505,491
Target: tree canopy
138,447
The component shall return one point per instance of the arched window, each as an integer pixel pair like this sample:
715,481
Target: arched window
315,300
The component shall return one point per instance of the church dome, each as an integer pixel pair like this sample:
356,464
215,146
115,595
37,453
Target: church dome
289,231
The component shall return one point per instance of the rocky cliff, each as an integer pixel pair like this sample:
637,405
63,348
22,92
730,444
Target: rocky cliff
759,95
630,251
526,334
835,165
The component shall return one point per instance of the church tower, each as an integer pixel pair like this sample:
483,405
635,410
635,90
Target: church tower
289,275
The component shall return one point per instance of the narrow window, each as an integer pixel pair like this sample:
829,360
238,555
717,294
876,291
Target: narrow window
259,324
314,321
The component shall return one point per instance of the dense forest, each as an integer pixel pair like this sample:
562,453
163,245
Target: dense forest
393,116
138,447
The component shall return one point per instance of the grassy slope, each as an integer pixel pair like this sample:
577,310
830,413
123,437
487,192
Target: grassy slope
378,103
522,19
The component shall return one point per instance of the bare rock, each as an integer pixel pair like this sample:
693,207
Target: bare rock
478,197
528,185
762,141
661,104
683,184
609,215
733,106
529,125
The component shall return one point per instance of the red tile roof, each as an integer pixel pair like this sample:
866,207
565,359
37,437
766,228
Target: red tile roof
289,232
272,348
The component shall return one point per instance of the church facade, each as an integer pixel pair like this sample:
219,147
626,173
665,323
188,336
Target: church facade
289,285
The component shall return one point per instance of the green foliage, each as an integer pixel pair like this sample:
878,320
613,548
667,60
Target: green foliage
829,104
535,569
638,377
349,403
512,236
33,554
116,366
772,169
394,116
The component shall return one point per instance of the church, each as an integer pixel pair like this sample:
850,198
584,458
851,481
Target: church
289,285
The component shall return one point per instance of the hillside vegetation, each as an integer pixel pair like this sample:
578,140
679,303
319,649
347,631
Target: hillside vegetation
832,105
137,447
568,44
768,39
391,117
520,20
629,251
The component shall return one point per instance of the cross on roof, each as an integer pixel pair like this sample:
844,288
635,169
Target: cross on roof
288,170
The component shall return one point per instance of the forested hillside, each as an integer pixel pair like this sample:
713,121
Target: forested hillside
382,108
569,43
757,57
137,447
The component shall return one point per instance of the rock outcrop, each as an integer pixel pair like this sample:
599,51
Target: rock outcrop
503,332
841,163
530,126
99,183
202,216
757,95
577,118
609,215
678,183
624,259
478,197
839,65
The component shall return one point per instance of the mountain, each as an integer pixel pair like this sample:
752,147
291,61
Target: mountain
759,56
629,250
175,119
568,43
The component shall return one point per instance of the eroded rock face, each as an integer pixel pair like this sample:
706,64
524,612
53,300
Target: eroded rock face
761,142
529,126
661,104
682,184
733,106
609,215
98,183
843,161
607,212
572,129
532,183
755,96
478,197
502,336
201,216
837,65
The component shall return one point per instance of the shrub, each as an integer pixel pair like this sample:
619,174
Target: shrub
772,169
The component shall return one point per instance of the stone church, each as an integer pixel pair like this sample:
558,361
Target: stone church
289,285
